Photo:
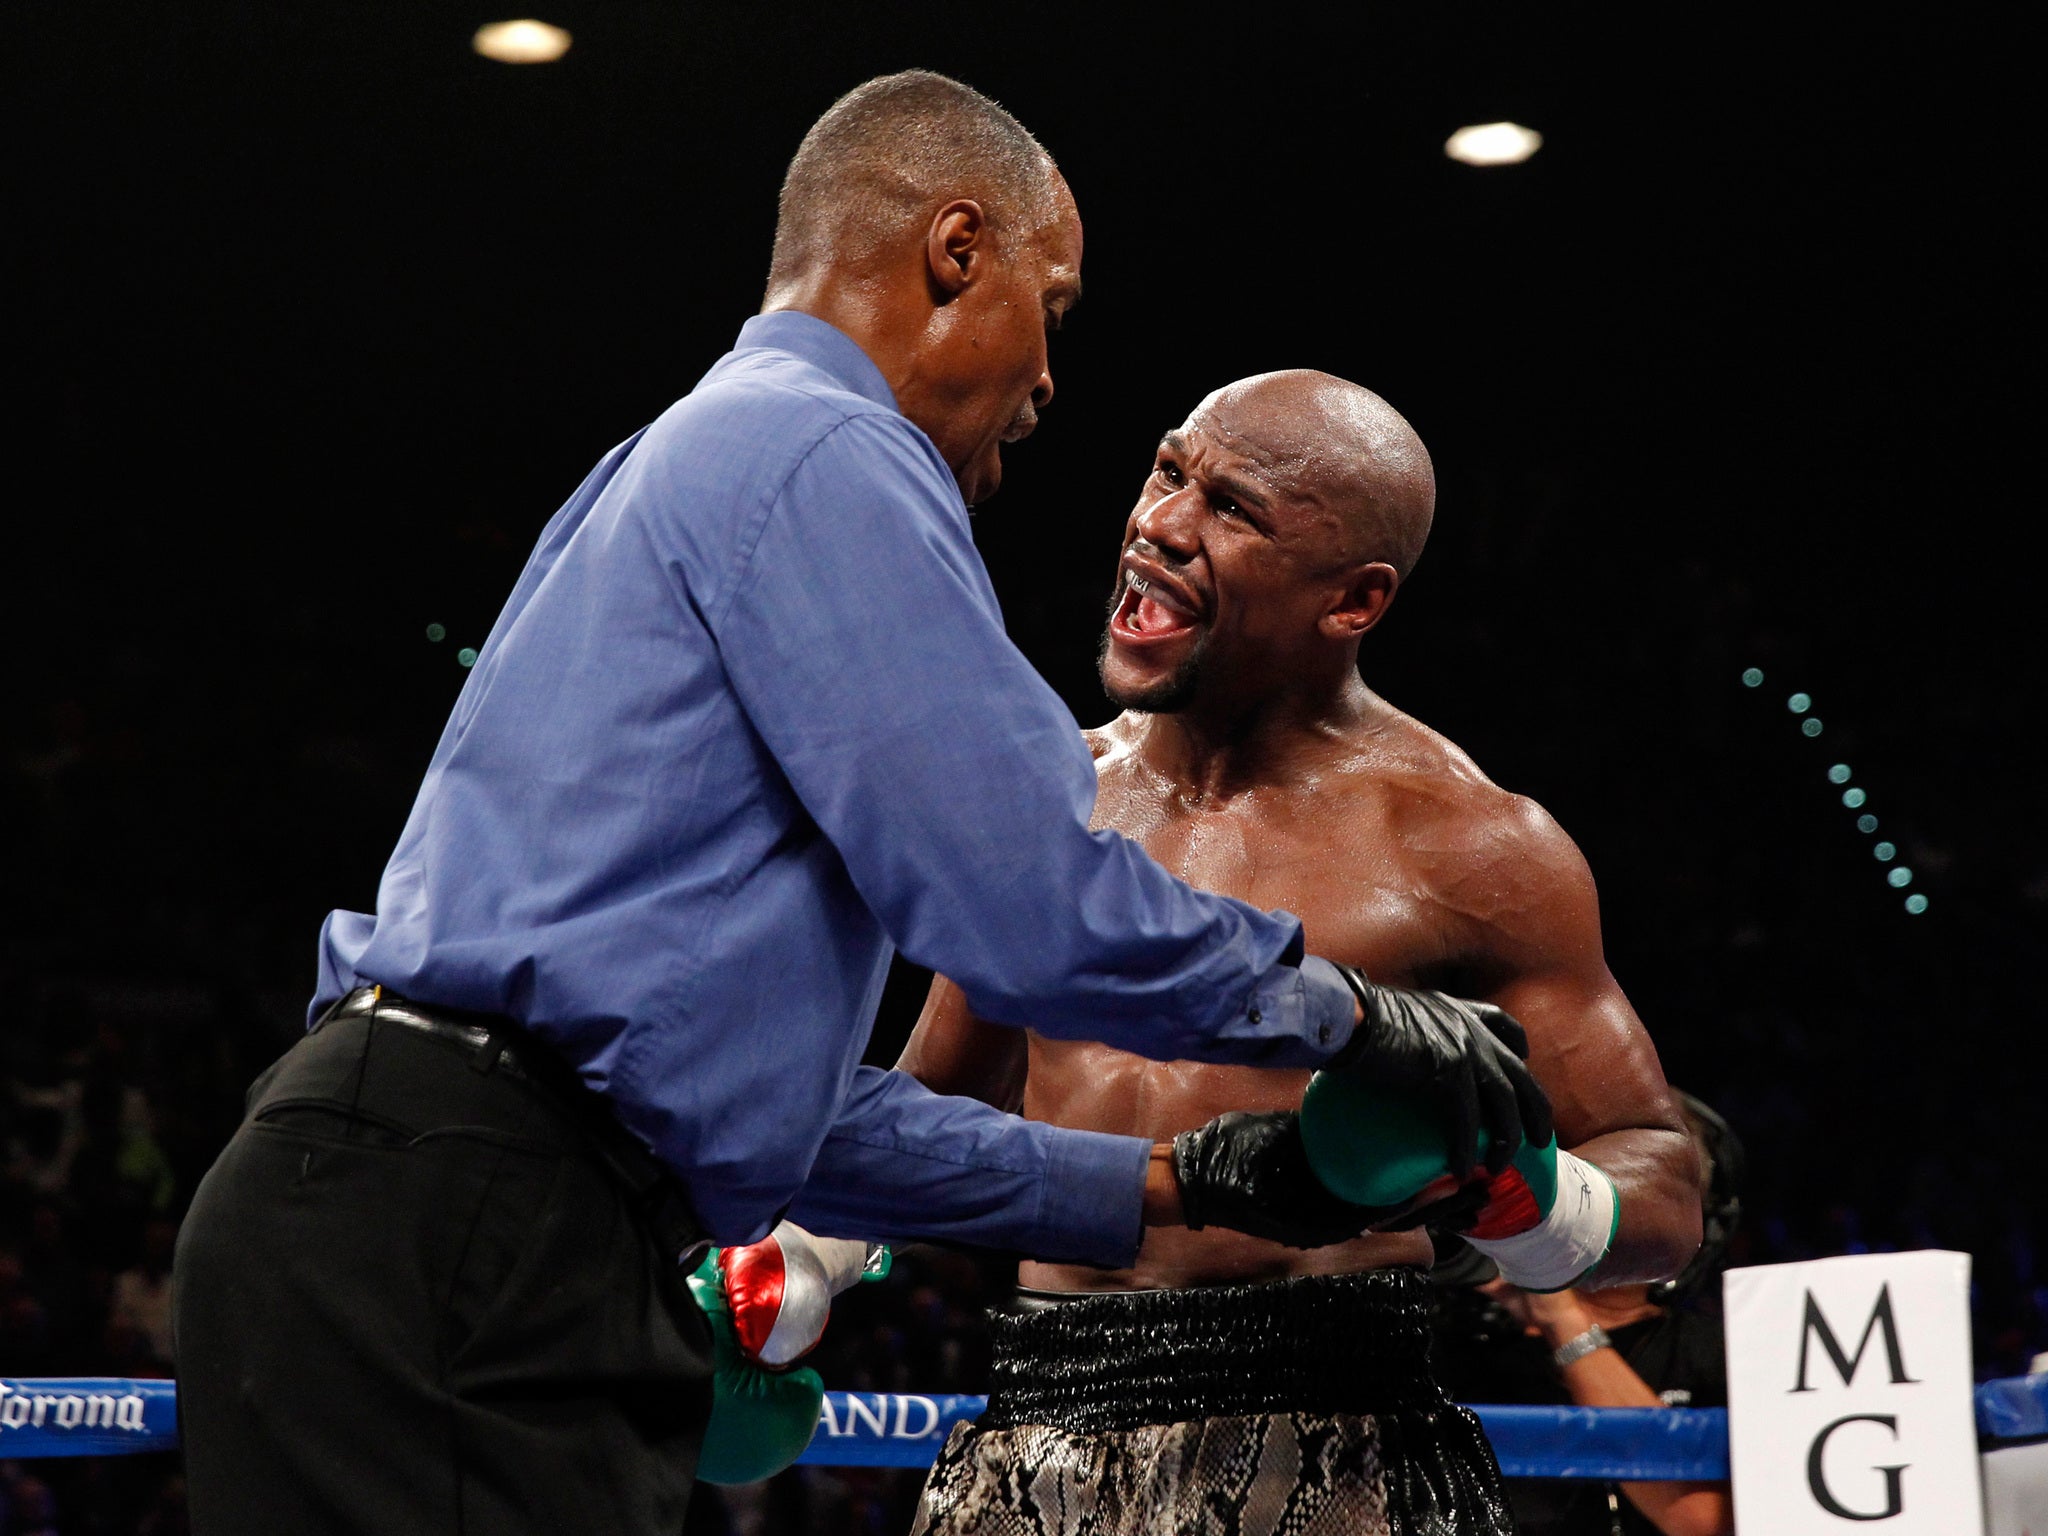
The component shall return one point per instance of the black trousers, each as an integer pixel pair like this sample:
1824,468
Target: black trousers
409,1299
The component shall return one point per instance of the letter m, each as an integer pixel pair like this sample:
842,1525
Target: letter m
1881,1317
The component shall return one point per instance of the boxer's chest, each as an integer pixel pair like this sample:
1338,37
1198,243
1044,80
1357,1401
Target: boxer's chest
1341,862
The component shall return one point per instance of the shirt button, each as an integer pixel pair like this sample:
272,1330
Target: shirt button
1322,1034
1255,1016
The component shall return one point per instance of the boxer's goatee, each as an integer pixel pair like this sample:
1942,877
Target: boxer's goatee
1165,697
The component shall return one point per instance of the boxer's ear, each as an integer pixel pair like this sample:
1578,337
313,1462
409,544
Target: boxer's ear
1366,599
956,248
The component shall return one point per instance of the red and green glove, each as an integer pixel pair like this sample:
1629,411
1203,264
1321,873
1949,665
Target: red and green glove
780,1289
767,1304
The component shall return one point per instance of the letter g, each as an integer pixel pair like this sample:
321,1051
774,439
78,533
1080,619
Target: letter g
1816,1480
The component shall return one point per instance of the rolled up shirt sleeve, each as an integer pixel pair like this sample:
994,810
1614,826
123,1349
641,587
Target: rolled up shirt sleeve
865,643
902,1162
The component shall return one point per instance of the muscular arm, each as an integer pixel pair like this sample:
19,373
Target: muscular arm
951,1051
1535,902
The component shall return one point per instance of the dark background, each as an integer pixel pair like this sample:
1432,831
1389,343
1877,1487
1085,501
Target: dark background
316,317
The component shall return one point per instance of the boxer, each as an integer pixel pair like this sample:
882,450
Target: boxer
1222,1382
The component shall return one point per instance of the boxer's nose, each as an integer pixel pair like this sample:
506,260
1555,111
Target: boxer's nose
1170,524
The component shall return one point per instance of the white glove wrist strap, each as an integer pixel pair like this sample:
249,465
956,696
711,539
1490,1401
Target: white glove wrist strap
837,1261
814,1270
1569,1241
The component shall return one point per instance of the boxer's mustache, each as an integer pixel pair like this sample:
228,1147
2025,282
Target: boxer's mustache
1172,568
1172,564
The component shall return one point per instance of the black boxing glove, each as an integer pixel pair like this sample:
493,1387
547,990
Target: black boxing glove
1249,1172
1464,1058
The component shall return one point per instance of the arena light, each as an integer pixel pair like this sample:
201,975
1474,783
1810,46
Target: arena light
437,632
466,657
521,42
1854,797
1493,144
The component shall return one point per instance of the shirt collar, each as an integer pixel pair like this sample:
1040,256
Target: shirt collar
821,344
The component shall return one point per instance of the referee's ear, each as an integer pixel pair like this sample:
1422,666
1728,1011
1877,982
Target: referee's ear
955,248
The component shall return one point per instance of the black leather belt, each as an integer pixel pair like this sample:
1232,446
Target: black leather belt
493,1048
497,1045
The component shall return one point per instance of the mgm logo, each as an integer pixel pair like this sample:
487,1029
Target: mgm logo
1814,1325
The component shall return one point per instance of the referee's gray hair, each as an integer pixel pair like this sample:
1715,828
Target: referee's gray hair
887,153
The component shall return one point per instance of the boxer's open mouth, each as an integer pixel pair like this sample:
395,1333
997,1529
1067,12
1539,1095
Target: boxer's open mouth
1152,610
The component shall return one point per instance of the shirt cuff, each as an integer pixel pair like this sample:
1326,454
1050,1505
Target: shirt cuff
1092,1209
1300,1015
1331,1005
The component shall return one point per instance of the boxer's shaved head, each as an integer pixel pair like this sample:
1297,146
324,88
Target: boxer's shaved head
1277,523
1340,443
869,174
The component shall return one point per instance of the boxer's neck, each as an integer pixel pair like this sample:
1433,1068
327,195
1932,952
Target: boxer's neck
1213,751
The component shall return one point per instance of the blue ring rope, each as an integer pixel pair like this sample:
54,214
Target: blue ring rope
113,1416
86,1416
873,1429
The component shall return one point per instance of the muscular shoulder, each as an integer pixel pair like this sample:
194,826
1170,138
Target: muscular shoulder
1497,858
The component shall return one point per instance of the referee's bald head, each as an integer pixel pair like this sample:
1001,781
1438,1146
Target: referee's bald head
872,170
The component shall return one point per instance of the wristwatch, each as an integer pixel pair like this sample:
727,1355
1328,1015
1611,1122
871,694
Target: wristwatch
1578,1348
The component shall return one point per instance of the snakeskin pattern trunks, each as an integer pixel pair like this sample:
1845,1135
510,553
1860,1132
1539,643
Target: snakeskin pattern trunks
1297,1408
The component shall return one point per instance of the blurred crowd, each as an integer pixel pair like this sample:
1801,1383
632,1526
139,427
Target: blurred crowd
101,1148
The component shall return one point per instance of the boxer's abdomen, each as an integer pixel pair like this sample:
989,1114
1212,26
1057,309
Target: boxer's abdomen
1094,1088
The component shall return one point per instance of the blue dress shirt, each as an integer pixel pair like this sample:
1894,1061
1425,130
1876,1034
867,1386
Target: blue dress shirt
749,717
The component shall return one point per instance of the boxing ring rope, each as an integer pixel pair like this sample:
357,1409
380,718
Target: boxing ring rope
110,1416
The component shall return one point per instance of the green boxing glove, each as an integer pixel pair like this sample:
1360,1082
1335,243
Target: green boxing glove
761,1420
1545,1219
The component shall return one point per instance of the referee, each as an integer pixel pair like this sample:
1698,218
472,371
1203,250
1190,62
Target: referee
713,762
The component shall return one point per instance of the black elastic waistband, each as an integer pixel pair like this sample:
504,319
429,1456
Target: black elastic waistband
1353,1344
